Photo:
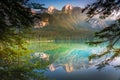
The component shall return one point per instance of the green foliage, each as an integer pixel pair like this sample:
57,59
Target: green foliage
102,7
16,20
109,35
22,72
35,5
92,56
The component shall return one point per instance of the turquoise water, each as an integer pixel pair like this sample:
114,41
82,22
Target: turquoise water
70,62
75,66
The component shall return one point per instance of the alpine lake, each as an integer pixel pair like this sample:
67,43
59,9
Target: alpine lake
69,61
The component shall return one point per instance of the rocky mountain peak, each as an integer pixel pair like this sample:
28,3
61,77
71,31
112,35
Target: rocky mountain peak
67,8
51,9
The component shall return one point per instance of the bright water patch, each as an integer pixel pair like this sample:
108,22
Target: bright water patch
75,66
71,63
75,60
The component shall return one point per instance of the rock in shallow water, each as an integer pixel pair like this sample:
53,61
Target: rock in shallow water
41,55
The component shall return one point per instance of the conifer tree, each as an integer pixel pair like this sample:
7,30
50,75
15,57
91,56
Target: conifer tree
110,34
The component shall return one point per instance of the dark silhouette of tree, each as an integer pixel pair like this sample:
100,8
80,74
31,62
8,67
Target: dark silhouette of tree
35,5
110,34
16,19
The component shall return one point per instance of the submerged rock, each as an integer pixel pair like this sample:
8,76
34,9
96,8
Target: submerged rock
41,55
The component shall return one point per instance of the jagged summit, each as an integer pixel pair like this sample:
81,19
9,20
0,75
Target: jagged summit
67,8
51,9
69,17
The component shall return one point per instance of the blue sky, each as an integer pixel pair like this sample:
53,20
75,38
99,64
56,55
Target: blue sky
60,3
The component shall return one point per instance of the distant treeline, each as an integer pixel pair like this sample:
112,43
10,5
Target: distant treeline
80,35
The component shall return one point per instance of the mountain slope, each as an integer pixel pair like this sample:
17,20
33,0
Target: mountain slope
69,23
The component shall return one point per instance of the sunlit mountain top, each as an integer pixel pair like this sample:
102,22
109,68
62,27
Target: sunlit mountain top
60,3
69,17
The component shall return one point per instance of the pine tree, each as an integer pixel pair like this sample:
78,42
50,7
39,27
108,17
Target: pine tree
110,34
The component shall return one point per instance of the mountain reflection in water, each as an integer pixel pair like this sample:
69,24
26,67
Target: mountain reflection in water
75,66
75,60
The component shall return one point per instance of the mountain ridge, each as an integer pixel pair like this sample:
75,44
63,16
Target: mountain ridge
68,14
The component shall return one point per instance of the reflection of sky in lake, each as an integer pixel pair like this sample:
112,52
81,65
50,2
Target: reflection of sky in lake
109,73
74,65
76,59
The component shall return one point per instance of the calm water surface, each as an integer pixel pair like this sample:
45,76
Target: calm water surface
70,62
